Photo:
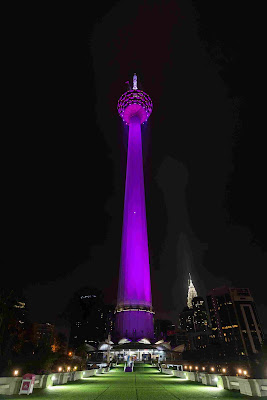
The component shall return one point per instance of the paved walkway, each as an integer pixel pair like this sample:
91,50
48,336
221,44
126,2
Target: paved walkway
146,383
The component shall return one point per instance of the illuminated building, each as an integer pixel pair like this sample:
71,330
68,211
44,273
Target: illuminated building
200,335
186,320
21,313
43,333
200,316
191,292
234,319
194,319
91,320
134,314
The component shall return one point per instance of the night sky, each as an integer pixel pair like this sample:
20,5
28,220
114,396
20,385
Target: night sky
63,151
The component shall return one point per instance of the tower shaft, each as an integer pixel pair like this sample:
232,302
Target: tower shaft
134,305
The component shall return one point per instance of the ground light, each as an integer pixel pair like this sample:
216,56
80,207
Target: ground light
215,388
59,387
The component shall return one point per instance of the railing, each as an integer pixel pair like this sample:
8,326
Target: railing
212,368
248,386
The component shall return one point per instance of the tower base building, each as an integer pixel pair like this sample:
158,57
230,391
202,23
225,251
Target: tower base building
135,325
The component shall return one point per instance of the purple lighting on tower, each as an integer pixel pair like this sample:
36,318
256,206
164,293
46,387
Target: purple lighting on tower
134,315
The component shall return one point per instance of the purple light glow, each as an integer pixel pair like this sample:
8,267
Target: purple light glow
134,317
135,103
135,324
134,284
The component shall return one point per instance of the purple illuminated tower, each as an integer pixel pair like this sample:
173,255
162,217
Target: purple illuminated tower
134,315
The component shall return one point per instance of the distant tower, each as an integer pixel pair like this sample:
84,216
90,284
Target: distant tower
134,315
191,293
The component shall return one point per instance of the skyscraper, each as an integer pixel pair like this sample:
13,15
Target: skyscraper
134,314
234,319
194,319
191,292
200,314
90,319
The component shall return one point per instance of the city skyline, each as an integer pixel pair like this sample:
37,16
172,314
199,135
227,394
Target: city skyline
63,183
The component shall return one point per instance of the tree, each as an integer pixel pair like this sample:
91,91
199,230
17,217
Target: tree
42,359
259,363
81,353
60,343
9,329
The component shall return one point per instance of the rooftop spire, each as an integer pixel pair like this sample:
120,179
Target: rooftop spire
191,292
190,279
135,82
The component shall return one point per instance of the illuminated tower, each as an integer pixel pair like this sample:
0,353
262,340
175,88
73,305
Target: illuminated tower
191,293
134,315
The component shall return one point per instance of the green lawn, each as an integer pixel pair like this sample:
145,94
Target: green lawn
144,383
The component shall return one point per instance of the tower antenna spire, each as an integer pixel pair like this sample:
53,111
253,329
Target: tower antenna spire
135,82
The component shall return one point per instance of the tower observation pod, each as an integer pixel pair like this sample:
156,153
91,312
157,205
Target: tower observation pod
134,314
